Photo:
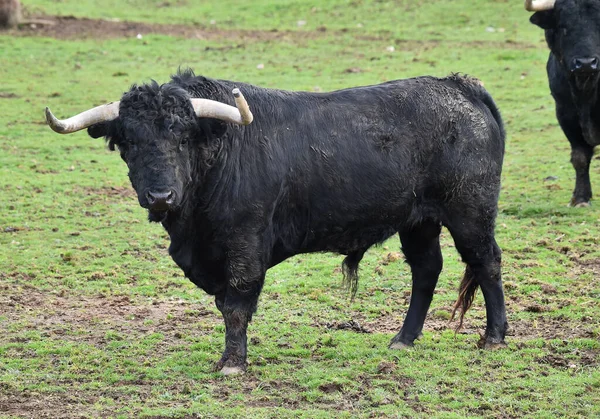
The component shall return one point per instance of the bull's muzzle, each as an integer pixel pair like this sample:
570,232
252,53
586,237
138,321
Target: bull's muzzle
584,65
160,201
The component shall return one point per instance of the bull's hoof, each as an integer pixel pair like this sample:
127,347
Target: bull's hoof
491,345
230,366
584,204
232,370
400,345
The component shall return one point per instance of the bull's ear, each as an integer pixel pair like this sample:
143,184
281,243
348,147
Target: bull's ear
544,19
98,130
212,128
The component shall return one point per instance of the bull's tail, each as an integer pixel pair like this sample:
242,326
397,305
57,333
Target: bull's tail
350,271
466,295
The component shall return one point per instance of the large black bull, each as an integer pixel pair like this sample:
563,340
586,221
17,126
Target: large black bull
572,29
337,172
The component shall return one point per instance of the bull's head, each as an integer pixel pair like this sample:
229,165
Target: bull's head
156,129
573,35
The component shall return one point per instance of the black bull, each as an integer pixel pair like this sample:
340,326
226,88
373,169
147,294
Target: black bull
337,172
572,29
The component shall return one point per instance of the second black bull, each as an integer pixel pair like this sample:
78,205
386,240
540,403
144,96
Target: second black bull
572,29
337,172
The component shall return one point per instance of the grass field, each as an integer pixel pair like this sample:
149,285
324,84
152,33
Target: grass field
97,321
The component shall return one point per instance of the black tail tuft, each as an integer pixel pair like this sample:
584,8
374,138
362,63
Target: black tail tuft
466,295
350,271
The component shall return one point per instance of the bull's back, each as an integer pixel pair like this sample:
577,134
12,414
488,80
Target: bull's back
400,137
362,163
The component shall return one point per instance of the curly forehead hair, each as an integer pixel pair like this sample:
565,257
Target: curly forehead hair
154,101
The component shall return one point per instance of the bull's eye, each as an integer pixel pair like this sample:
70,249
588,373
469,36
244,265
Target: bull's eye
183,143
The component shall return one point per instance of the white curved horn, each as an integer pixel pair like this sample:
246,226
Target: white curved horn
101,113
539,5
212,109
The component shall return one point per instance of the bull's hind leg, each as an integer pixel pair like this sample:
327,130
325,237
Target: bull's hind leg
421,247
476,244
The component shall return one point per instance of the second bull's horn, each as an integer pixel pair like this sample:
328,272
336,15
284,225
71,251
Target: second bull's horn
211,109
539,5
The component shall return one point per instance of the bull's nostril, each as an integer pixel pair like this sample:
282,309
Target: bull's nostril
170,197
150,197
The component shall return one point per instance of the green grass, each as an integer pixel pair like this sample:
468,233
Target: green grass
97,321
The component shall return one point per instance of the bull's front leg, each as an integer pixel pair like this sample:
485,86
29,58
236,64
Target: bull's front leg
581,156
245,278
576,128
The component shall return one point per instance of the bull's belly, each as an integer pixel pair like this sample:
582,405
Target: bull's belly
347,240
344,242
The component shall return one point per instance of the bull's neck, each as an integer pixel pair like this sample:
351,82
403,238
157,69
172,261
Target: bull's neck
584,94
181,220
190,219
585,99
590,124
201,195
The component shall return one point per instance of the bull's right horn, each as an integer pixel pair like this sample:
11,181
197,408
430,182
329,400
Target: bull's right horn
212,109
101,113
539,5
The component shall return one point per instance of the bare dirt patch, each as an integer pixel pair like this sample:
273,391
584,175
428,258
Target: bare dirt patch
64,316
44,406
109,191
91,320
592,265
70,27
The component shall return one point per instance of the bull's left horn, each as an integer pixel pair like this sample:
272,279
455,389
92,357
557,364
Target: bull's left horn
101,113
539,5
207,108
